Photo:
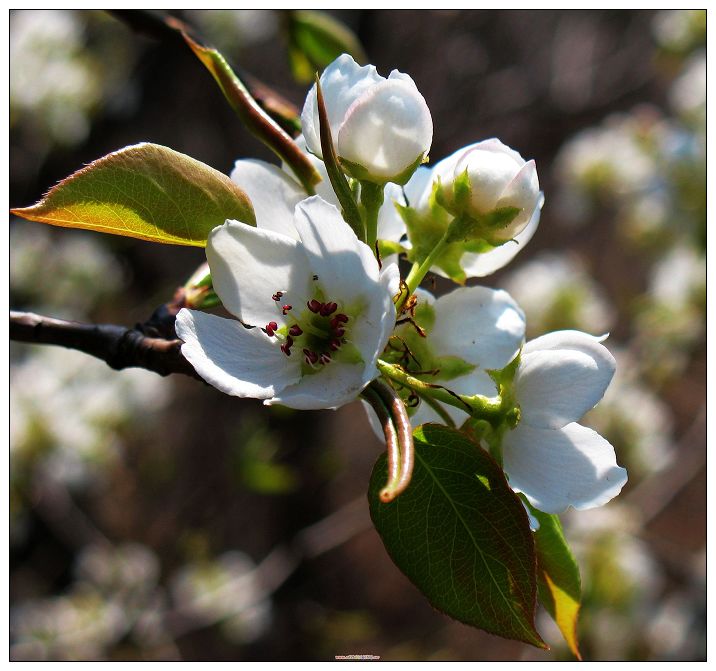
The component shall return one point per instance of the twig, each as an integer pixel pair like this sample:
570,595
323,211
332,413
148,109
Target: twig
167,29
119,347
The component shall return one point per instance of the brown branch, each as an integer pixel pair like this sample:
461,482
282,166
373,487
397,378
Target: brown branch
119,347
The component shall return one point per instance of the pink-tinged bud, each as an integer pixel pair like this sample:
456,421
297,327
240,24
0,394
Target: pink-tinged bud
271,329
328,309
286,308
311,357
314,305
295,331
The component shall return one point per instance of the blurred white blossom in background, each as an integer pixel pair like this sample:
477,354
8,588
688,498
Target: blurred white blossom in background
556,292
68,412
56,83
225,590
65,273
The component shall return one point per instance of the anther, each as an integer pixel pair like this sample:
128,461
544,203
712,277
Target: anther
314,305
286,347
286,308
277,296
338,319
311,357
325,358
328,308
335,344
295,331
271,329
339,332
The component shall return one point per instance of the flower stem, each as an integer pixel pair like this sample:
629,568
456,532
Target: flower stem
418,271
481,407
371,198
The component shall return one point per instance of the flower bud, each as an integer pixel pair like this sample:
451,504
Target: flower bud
381,128
493,185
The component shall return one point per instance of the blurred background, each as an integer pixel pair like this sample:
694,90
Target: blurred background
155,518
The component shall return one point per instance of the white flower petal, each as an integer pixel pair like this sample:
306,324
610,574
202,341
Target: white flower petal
558,385
420,186
390,224
341,82
387,129
272,192
323,188
572,466
481,265
485,327
523,192
238,361
372,327
334,385
345,266
566,339
554,389
489,173
249,265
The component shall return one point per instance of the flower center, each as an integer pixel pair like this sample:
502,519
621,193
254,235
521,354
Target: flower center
318,332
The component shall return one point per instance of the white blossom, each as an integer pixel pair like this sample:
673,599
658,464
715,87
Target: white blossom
554,461
461,344
274,193
314,312
382,126
497,163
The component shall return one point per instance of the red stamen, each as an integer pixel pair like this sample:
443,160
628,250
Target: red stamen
328,308
335,344
311,357
325,358
314,305
295,331
286,308
277,296
271,329
338,319
339,332
286,347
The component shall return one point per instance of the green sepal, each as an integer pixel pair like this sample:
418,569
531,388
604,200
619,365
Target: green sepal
338,180
465,228
360,173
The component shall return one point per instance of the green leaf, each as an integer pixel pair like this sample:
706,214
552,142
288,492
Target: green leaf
461,535
256,120
316,39
558,582
144,191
